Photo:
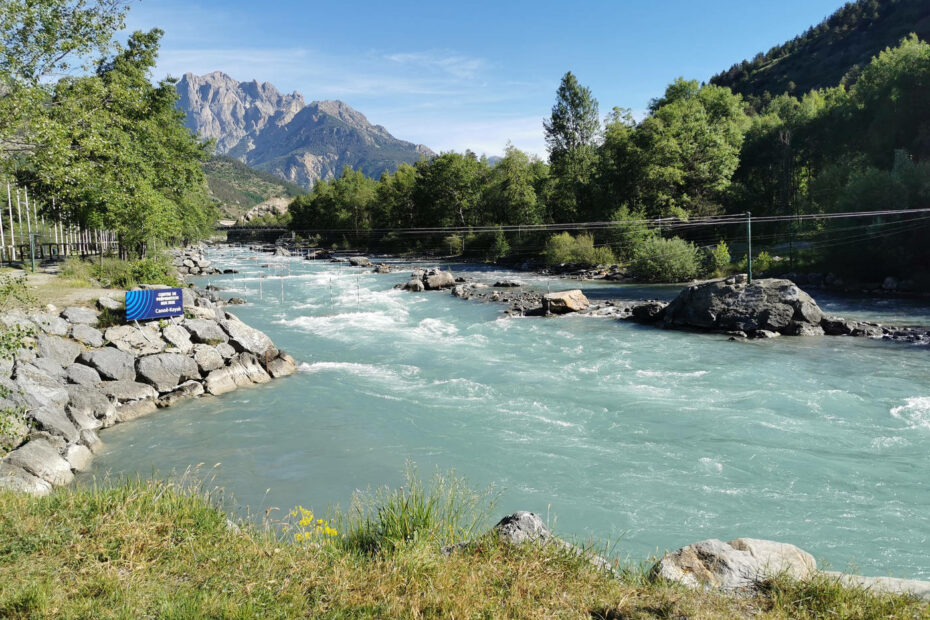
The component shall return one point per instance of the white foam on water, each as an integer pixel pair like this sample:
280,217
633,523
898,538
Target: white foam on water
372,371
915,412
463,389
670,373
881,443
344,326
710,464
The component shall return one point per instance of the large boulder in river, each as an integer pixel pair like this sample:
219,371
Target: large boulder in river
359,261
740,563
734,305
565,302
436,279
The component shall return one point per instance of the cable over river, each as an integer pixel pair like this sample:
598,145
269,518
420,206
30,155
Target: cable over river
652,439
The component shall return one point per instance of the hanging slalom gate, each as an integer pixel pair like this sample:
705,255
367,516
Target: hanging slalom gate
30,232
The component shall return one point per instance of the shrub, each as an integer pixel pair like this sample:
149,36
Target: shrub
761,263
665,260
717,262
499,247
14,292
454,243
563,248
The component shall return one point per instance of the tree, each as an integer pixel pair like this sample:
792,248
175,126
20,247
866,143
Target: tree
41,38
572,133
113,149
448,190
690,147
509,195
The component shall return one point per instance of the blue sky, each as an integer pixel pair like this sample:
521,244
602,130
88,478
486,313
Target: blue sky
457,75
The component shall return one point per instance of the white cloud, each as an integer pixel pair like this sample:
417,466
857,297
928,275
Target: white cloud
462,67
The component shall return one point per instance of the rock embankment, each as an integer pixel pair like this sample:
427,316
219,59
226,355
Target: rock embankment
191,262
77,377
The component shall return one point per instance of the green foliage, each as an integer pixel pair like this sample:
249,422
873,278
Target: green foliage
571,137
719,259
14,292
666,260
628,232
830,52
114,148
563,248
444,511
122,274
238,187
499,247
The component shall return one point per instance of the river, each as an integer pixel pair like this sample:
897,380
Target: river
616,432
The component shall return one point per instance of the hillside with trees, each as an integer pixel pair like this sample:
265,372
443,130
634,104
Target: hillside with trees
237,187
832,52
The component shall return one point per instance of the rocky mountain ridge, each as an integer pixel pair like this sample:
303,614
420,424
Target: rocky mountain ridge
302,143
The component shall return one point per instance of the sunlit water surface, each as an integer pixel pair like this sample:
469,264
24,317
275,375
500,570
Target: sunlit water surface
617,432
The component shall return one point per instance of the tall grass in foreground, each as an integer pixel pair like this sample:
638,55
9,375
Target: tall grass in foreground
155,549
442,511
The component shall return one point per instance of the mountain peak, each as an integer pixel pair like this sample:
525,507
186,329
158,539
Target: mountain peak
255,123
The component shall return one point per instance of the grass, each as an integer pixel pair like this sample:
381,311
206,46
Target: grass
142,548
121,274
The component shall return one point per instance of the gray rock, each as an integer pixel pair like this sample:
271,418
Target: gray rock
281,366
769,303
18,479
165,370
128,390
81,374
648,312
50,323
188,297
76,314
38,389
50,367
16,318
207,358
436,279
135,409
248,339
55,422
359,261
40,458
108,303
61,350
889,585
91,441
111,363
142,340
88,408
741,563
225,350
91,336
178,337
226,379
415,285
799,328
254,371
205,331
565,302
890,283
189,389
521,527
79,457
507,284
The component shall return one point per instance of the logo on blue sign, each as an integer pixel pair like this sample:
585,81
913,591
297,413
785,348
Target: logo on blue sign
154,304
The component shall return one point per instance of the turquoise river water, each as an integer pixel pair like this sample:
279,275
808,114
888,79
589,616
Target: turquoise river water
648,438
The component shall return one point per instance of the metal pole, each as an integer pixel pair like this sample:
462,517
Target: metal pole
19,215
749,239
2,238
28,224
32,249
9,202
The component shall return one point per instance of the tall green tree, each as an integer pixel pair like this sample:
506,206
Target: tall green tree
509,195
41,39
114,151
448,190
572,133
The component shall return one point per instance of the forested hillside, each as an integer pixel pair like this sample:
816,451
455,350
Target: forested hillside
834,50
238,187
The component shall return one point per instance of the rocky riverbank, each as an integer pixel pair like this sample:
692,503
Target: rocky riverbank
766,308
77,374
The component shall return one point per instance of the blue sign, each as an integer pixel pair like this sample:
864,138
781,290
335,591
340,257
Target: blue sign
156,303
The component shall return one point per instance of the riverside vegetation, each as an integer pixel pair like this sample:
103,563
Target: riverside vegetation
150,548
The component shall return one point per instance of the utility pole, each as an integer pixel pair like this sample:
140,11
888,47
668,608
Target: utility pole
749,240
